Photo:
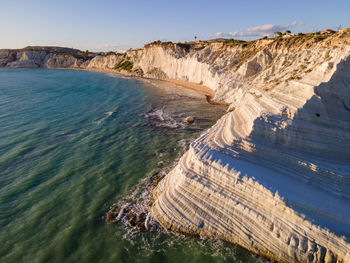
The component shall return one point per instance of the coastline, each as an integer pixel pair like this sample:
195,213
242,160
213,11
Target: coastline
286,122
200,89
100,148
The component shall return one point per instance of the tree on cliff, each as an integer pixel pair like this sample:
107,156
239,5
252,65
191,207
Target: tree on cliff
277,33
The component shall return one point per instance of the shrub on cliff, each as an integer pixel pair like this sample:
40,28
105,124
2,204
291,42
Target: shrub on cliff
233,41
109,53
124,65
139,72
278,34
157,42
157,73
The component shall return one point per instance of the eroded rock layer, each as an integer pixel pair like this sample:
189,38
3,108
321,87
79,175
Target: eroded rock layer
273,174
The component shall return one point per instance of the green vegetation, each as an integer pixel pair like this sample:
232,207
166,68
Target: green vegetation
278,34
233,41
139,72
124,65
109,53
157,73
79,55
156,42
185,46
159,42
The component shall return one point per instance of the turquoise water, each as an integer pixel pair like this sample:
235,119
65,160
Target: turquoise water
74,142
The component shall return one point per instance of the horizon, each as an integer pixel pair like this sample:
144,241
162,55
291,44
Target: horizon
108,25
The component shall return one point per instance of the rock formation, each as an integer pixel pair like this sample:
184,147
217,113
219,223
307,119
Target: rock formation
273,174
44,57
188,120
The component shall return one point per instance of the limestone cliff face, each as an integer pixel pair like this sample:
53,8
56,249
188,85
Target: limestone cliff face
273,174
43,57
105,62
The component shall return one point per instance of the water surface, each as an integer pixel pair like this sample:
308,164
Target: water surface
74,142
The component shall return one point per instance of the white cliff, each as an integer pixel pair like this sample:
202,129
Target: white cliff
273,174
43,57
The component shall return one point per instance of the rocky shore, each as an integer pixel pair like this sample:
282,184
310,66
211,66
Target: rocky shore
273,174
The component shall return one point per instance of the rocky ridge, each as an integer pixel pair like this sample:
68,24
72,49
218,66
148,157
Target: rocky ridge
44,57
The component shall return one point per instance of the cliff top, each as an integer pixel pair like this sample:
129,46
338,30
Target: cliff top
46,48
284,41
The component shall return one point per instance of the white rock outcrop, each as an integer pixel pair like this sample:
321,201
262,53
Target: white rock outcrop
272,175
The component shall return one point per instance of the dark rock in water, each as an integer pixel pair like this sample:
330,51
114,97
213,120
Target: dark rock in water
126,214
112,215
189,120
135,219
136,214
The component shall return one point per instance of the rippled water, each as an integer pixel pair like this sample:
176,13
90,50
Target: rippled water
74,142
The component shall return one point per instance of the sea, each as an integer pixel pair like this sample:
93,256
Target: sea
72,143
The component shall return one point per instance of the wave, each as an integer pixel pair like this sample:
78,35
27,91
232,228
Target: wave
161,118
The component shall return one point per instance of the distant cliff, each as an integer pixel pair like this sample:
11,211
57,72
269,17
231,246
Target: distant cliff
273,174
44,57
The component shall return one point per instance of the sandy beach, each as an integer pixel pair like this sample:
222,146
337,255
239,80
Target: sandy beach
209,93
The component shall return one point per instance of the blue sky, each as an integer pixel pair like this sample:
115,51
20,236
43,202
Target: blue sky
110,25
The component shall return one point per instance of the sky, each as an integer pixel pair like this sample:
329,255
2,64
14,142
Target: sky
103,25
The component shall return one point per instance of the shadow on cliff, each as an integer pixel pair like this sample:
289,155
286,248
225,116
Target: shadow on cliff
308,161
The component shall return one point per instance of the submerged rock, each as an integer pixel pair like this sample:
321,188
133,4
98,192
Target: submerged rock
126,213
189,120
112,214
136,214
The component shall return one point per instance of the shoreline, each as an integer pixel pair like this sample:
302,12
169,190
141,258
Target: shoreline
200,89
207,92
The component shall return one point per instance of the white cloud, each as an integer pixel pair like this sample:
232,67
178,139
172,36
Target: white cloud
296,23
258,31
220,34
107,47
